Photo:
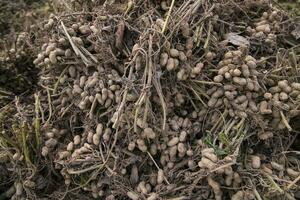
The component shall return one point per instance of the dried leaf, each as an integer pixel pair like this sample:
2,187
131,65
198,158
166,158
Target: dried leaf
237,40
120,34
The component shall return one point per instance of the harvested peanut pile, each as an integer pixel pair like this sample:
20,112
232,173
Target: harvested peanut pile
161,100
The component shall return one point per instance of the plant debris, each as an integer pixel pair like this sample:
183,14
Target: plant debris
159,100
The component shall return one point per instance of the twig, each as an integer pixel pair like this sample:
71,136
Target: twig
196,6
293,183
198,97
75,48
222,167
112,147
273,183
71,171
37,123
285,152
84,184
157,86
66,110
58,80
239,124
207,82
94,104
146,82
199,36
285,122
257,194
24,144
158,168
205,16
179,198
208,35
123,102
129,6
217,124
50,106
168,16
89,53
6,93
